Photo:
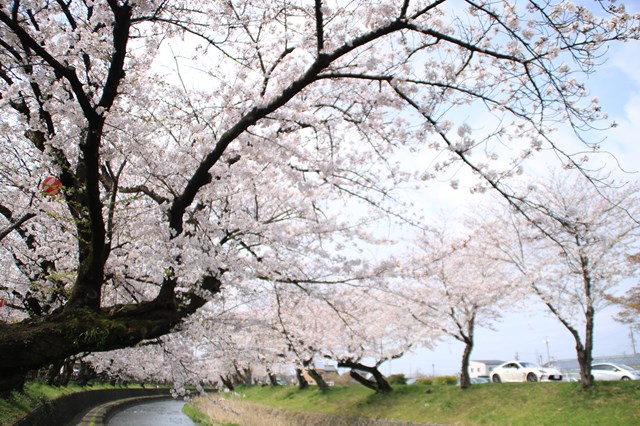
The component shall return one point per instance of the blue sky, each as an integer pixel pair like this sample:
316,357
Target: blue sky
524,333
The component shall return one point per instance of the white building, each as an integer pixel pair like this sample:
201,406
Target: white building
482,368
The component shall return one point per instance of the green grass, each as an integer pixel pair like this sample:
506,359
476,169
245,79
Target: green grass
19,404
523,404
609,403
196,415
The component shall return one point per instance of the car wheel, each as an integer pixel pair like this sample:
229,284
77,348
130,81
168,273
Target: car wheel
496,379
532,377
626,378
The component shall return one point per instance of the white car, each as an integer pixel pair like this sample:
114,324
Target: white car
607,371
517,371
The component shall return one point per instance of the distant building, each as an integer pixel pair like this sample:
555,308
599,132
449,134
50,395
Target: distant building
482,368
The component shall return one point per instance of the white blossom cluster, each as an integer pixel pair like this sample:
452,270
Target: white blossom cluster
263,144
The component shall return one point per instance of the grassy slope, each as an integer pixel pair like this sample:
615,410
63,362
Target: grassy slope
613,403
197,416
21,403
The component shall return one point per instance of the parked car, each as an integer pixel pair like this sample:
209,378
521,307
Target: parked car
607,371
517,371
476,380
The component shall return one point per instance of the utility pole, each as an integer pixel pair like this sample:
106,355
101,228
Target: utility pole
546,342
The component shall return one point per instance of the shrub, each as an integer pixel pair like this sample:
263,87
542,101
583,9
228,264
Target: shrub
397,379
445,380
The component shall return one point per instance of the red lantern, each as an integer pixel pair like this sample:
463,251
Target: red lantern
51,185
1,303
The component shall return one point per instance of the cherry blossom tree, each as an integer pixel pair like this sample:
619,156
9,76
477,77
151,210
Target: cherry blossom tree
306,319
629,302
159,361
240,347
571,243
182,184
359,325
381,331
452,284
241,350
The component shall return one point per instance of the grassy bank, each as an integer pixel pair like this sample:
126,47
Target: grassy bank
196,415
613,403
19,404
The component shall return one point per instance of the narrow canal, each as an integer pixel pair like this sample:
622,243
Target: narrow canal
167,412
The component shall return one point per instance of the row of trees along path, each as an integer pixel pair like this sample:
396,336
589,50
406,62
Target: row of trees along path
202,149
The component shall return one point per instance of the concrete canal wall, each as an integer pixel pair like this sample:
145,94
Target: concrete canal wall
62,411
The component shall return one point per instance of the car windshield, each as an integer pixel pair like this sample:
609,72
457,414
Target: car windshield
625,367
528,365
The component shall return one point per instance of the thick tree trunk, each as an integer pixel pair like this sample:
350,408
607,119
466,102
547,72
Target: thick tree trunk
85,374
466,337
318,379
379,383
363,381
465,380
273,380
248,376
586,357
53,373
67,371
302,382
29,345
243,375
228,382
36,342
11,382
585,353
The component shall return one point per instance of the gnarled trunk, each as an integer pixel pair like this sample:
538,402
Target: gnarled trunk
465,380
243,376
317,377
302,382
33,343
379,383
273,380
585,353
85,374
228,382
467,339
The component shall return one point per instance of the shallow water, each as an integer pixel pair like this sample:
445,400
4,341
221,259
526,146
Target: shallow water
158,413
